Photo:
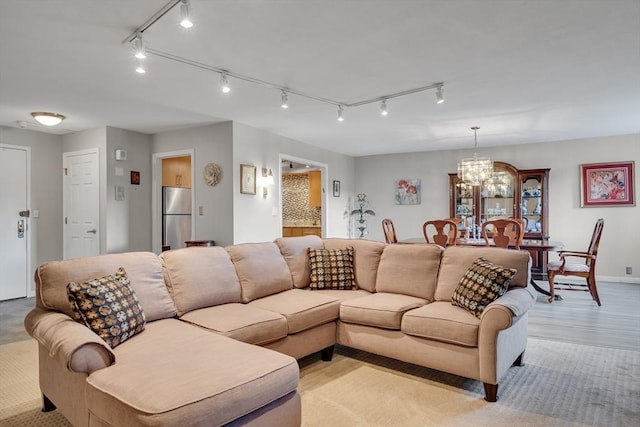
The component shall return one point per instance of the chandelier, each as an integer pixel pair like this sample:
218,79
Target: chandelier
475,170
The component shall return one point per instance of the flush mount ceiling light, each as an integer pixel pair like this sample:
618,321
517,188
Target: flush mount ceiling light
48,119
475,170
224,83
383,107
285,100
439,95
185,14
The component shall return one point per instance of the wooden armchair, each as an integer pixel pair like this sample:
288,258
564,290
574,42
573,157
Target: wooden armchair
389,231
446,232
585,268
506,232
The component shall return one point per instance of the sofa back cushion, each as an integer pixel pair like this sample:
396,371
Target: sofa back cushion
144,271
261,269
295,253
200,277
409,270
456,260
366,259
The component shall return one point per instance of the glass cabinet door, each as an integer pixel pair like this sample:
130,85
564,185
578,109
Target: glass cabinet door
531,205
497,198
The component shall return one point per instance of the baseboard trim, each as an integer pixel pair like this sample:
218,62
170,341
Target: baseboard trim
614,279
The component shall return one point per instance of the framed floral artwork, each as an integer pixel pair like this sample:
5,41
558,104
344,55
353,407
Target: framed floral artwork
247,179
407,192
607,184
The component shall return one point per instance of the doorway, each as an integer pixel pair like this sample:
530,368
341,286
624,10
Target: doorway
173,169
303,196
15,236
81,203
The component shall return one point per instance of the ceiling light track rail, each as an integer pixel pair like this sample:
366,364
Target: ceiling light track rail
149,22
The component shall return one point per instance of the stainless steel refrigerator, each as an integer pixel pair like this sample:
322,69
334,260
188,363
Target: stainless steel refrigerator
176,216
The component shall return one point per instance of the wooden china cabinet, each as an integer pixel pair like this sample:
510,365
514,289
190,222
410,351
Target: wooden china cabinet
510,193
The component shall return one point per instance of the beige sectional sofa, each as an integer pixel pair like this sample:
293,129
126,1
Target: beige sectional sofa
214,317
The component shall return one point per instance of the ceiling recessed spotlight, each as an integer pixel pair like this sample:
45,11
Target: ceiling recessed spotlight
383,107
340,113
185,14
224,83
48,119
285,100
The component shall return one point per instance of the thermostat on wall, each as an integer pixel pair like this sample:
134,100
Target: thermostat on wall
121,155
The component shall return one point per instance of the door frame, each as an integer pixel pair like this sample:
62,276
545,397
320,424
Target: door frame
30,290
65,195
324,169
156,194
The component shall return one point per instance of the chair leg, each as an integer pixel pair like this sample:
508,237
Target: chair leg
552,292
591,282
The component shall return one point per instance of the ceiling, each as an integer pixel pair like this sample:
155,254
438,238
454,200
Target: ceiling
524,71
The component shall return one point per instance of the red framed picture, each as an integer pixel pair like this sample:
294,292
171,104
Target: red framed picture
607,184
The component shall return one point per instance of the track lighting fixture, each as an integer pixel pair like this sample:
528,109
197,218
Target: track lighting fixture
439,96
140,67
340,113
224,84
139,47
48,119
285,100
383,107
185,14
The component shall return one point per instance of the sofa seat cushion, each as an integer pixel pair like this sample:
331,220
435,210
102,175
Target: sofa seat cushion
380,309
342,295
202,378
241,322
303,309
442,321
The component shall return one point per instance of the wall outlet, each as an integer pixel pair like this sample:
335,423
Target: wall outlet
628,270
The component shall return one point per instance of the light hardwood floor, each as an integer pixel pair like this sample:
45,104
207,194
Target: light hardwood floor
577,318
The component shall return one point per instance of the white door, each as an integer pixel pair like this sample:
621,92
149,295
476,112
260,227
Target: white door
13,227
81,203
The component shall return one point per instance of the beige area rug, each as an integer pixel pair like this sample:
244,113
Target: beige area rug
560,385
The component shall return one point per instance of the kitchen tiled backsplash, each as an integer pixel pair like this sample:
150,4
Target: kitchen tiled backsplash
295,201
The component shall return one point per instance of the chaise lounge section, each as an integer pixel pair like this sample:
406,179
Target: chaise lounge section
224,327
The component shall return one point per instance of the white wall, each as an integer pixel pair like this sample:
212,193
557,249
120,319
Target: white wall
46,192
253,219
568,222
212,143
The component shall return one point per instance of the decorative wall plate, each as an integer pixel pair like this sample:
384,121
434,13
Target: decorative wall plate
212,174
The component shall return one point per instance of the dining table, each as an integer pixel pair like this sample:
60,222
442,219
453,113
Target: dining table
534,245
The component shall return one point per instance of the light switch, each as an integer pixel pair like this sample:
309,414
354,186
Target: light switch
201,210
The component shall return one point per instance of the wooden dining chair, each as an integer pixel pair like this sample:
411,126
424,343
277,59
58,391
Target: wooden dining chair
389,231
445,232
458,222
505,232
585,268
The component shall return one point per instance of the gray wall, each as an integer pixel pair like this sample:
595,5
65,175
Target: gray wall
254,219
212,143
46,191
568,222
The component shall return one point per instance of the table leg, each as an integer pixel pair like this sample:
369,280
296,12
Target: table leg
544,291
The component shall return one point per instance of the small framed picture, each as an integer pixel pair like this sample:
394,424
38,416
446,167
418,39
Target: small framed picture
336,188
135,178
607,184
247,179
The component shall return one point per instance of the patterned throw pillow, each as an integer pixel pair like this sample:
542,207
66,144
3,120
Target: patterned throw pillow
482,284
332,269
108,306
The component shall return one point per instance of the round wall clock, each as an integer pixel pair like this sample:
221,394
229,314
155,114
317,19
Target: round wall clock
212,174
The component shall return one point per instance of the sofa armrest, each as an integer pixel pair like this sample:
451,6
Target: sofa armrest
71,344
517,300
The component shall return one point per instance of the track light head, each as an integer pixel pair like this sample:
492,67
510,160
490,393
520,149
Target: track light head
383,107
185,14
439,95
140,67
224,83
285,100
139,48
340,113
